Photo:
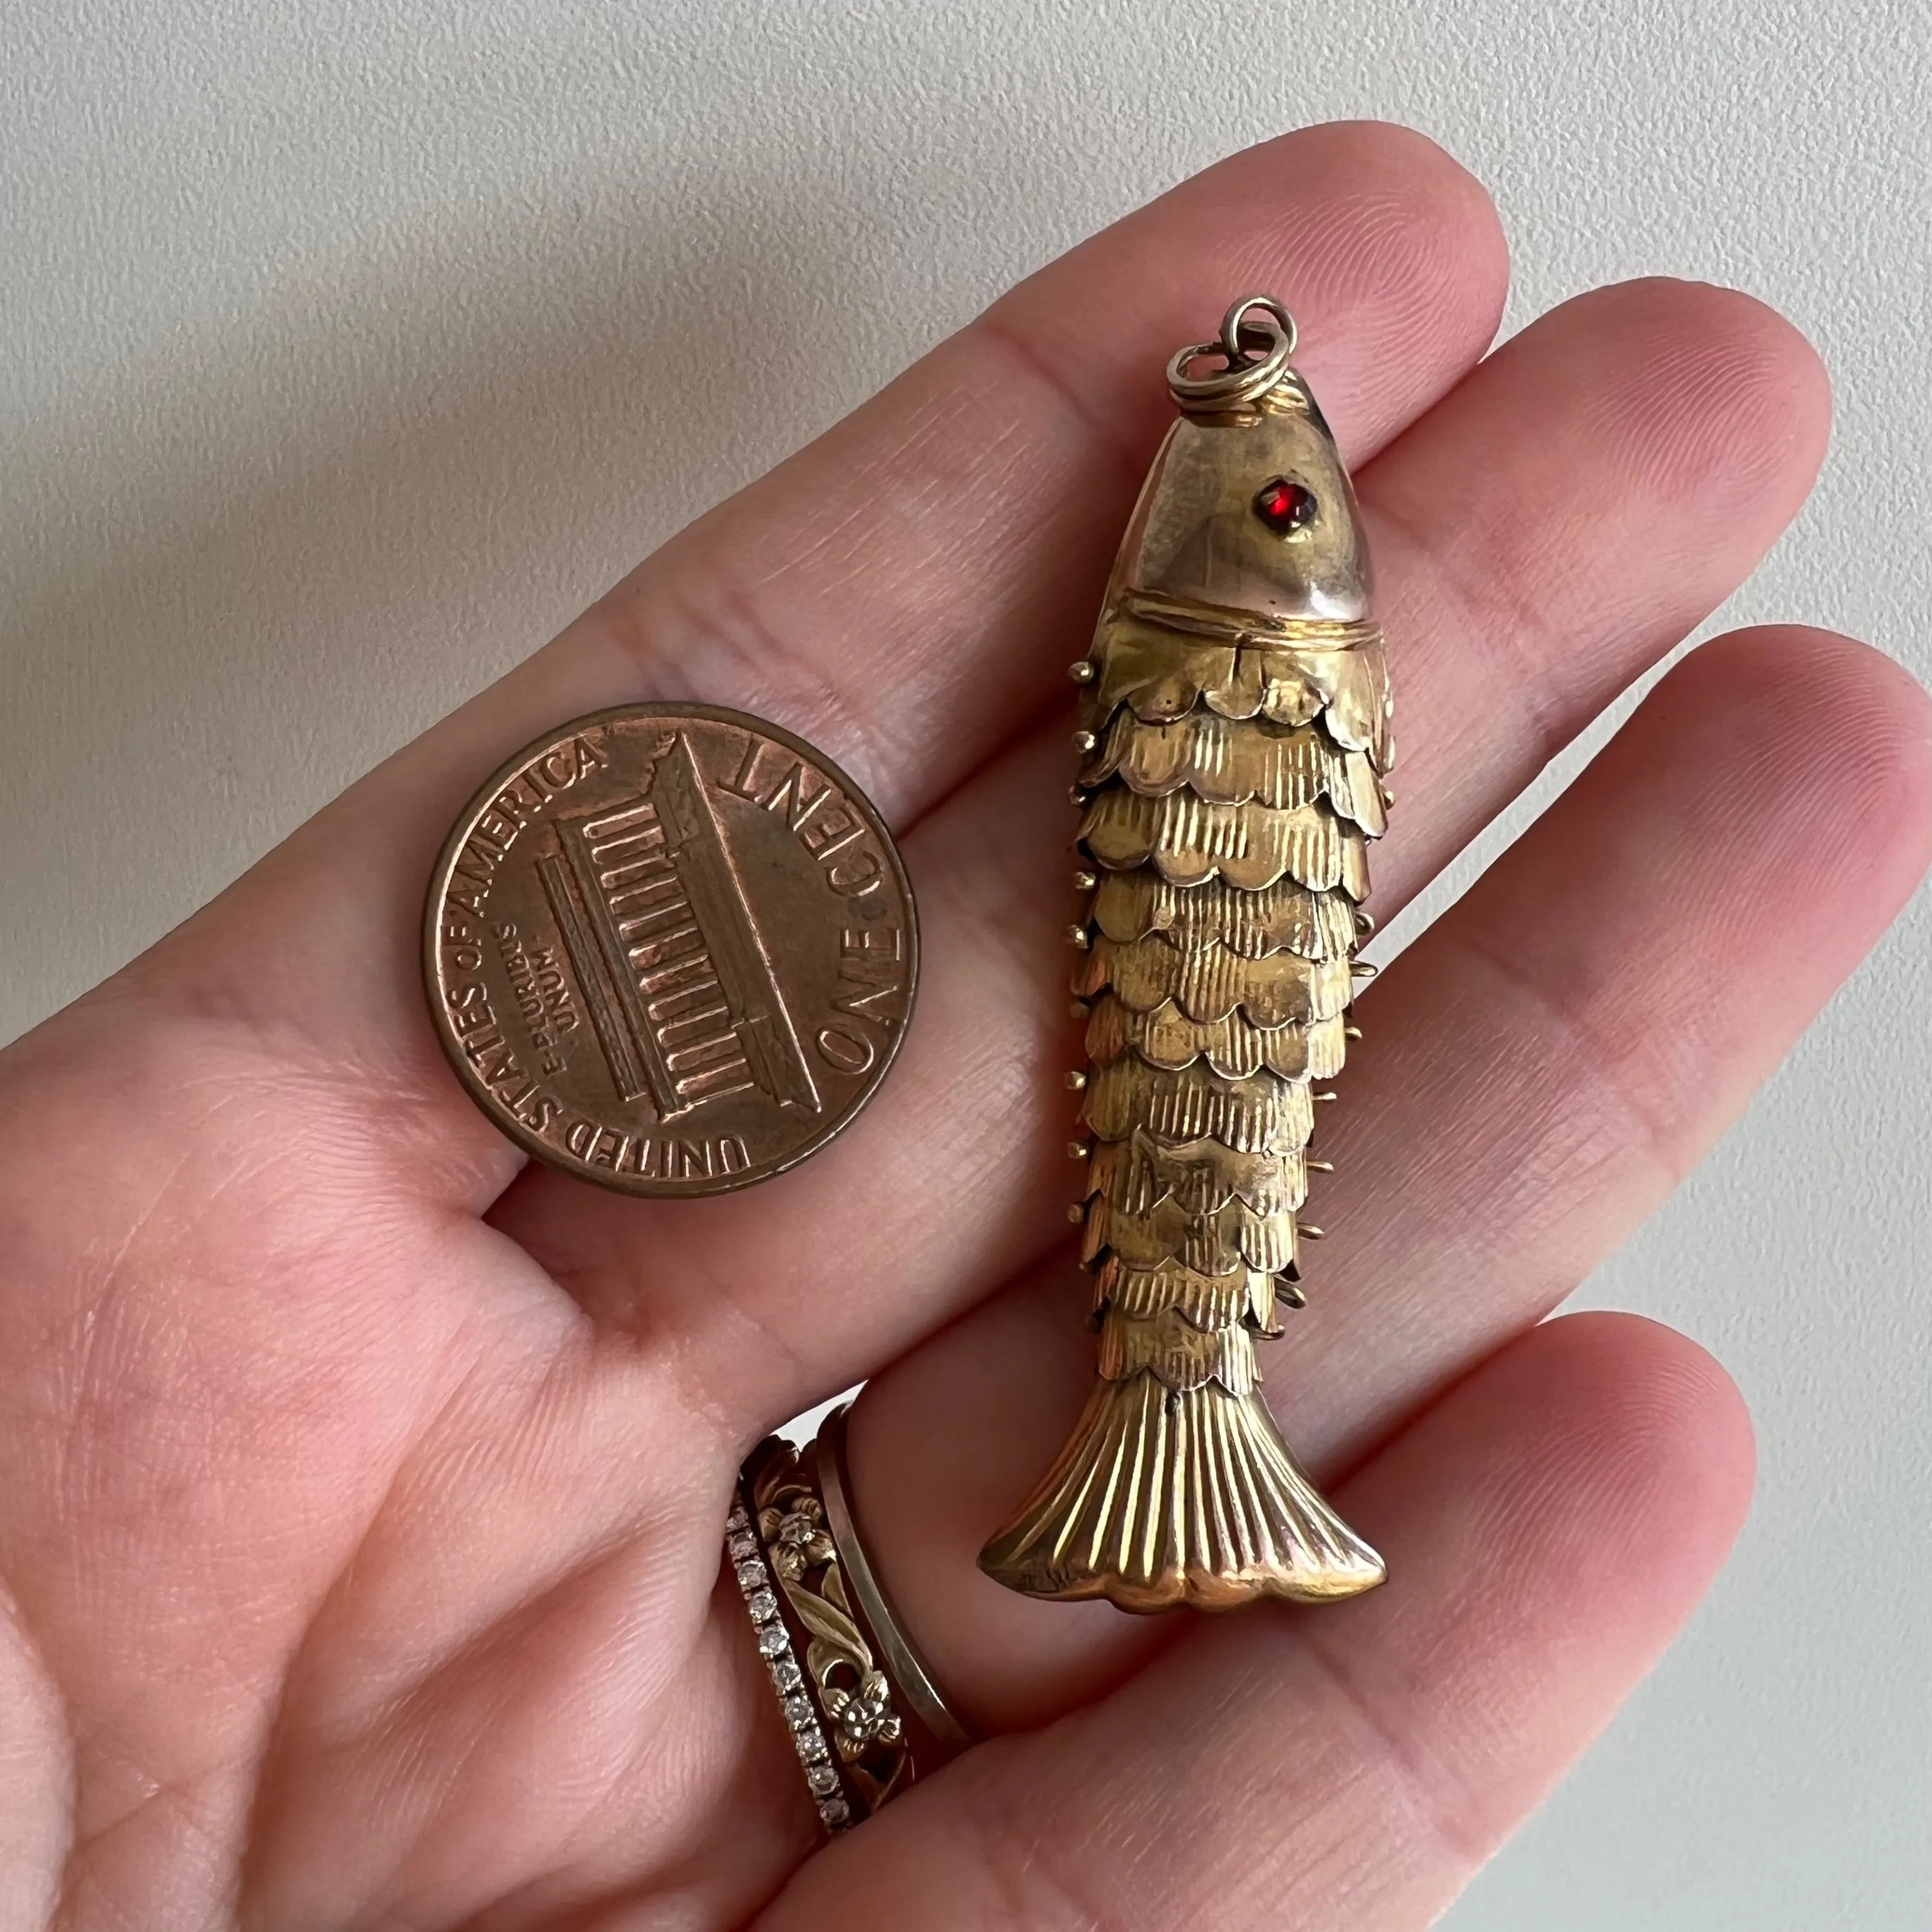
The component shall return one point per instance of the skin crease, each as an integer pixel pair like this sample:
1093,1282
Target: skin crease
358,1529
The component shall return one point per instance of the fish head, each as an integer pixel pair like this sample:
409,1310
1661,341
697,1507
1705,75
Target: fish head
1251,512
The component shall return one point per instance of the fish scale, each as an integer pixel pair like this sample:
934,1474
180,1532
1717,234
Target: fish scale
1286,917
1235,737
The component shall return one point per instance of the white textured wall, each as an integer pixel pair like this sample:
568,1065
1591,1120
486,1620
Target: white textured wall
342,349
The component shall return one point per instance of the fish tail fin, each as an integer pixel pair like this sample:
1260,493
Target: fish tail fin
1166,1495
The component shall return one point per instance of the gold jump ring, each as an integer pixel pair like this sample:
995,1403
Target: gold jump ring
1254,356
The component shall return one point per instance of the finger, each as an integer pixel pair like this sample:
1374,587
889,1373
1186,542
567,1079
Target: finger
1540,1068
1558,1515
1562,520
906,591
1687,422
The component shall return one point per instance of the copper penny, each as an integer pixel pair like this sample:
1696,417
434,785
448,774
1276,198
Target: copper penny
670,949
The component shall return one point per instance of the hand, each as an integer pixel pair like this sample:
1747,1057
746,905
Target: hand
360,1486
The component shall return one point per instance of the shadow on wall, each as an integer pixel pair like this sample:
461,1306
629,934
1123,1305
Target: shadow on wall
239,571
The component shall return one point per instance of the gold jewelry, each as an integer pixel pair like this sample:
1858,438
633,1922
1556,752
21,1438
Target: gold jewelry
743,1552
946,1737
1234,740
862,1732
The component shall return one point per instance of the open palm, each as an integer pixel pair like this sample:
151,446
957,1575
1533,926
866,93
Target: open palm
360,1486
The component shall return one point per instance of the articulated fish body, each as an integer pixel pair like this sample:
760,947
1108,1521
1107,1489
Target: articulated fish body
1235,718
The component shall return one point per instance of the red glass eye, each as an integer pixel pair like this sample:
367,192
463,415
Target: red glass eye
1284,505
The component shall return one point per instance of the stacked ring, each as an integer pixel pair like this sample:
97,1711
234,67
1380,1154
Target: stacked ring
864,1713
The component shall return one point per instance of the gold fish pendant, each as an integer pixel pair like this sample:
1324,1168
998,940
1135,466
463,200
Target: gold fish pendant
1235,732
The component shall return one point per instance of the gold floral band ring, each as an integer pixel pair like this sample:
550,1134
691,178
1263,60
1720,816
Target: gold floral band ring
865,1715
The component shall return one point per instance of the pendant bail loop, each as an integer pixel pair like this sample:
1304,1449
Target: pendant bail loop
1255,355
